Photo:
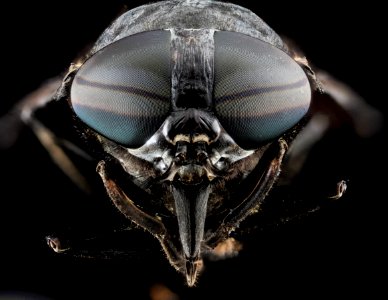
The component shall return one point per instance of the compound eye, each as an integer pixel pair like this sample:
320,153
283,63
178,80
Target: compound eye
123,91
259,92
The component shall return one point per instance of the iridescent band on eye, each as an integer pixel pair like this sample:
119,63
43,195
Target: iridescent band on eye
124,91
259,91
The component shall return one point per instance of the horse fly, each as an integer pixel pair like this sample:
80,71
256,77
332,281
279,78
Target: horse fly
190,108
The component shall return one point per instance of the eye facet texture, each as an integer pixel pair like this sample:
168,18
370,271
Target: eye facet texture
259,91
123,91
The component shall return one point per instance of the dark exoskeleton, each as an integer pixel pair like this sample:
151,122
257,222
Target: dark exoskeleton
190,108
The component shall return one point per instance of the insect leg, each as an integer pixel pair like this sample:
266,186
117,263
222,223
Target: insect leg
94,246
302,145
253,200
336,105
24,113
365,119
127,207
48,139
21,113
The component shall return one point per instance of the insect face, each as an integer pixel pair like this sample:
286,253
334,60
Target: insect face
197,114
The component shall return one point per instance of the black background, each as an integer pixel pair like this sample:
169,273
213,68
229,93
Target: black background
338,251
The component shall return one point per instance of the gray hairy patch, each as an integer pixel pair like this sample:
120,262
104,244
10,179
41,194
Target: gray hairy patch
189,14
